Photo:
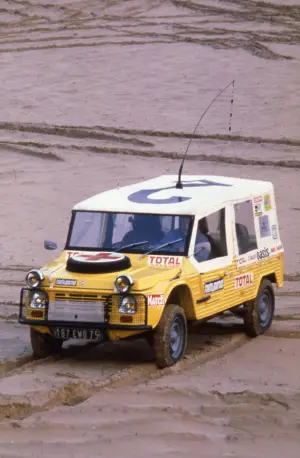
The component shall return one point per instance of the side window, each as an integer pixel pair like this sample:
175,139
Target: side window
211,237
244,226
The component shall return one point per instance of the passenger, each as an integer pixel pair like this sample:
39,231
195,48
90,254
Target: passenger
202,245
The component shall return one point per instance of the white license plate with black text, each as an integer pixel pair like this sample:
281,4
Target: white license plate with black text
76,333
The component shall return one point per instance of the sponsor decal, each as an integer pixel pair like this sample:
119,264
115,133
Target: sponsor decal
262,254
258,209
164,261
69,254
65,282
100,257
274,232
143,196
242,261
274,249
252,257
247,260
82,283
264,226
257,200
213,286
241,281
155,300
267,202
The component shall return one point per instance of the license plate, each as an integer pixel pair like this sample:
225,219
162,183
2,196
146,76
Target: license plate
76,333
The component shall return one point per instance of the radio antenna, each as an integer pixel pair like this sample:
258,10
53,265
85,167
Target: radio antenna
179,183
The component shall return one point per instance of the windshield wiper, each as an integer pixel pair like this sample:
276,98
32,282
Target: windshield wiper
132,245
161,246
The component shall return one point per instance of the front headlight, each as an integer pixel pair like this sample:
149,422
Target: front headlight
34,278
128,305
39,300
123,284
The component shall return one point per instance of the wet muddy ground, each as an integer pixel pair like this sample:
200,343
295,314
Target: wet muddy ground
95,93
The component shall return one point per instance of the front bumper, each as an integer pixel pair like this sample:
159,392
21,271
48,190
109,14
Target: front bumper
81,325
82,310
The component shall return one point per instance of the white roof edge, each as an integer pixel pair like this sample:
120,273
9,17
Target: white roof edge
164,186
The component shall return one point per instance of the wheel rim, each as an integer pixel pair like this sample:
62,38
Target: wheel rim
265,306
176,338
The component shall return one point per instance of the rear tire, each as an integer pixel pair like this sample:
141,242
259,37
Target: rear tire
44,345
170,337
259,312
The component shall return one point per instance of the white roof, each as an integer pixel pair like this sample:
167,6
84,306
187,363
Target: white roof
160,195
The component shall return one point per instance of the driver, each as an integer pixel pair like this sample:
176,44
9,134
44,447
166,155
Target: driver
180,233
144,228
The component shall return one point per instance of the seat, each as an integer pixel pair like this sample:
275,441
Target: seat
243,239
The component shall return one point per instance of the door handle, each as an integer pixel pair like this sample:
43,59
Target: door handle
227,274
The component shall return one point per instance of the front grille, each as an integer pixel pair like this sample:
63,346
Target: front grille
79,307
82,297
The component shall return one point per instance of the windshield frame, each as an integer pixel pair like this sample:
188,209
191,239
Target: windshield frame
133,250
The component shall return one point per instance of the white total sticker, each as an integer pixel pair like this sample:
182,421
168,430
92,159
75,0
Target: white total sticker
241,281
156,300
164,261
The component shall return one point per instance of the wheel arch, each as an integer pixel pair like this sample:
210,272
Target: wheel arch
181,295
272,278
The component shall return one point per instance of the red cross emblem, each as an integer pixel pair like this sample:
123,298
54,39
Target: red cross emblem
98,256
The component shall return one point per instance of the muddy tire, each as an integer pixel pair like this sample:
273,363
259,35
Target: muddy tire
259,312
170,336
44,345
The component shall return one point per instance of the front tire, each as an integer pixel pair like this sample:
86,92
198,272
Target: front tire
259,312
44,345
170,337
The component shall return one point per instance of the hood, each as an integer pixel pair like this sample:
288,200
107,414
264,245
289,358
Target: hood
145,276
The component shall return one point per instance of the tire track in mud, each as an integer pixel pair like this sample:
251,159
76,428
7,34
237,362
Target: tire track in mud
217,341
77,389
98,140
31,26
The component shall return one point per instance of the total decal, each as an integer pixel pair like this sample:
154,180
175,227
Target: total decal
213,286
155,300
164,261
241,281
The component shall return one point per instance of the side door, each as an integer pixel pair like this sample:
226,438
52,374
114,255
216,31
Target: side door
218,269
245,247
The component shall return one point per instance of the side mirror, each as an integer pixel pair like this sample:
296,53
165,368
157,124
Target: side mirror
48,245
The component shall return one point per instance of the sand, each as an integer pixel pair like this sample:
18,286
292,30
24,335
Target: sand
96,93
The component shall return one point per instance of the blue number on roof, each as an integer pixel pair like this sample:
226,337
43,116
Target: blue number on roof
143,196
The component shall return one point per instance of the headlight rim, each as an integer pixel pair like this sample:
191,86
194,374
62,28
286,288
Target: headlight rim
130,281
39,274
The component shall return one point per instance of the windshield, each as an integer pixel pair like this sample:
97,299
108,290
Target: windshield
130,232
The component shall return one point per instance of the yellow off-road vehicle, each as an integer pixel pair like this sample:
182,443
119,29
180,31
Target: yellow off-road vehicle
147,259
